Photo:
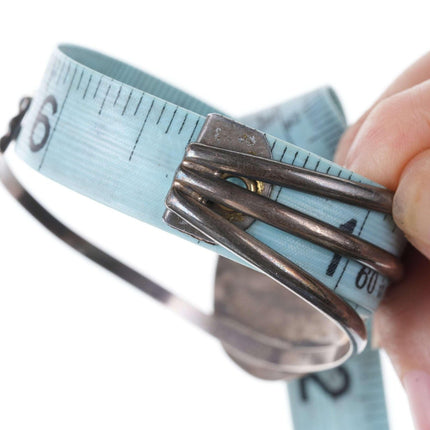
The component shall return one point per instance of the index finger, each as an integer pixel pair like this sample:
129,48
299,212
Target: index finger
415,74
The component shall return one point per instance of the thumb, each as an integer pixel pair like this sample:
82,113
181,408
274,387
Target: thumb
402,329
392,147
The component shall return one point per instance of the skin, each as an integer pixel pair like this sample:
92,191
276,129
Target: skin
390,144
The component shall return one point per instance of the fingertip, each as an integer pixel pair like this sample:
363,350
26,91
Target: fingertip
395,131
376,151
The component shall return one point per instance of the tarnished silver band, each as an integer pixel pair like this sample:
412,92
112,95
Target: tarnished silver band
262,352
200,179
200,194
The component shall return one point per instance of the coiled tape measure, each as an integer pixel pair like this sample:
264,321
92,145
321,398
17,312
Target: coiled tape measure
316,243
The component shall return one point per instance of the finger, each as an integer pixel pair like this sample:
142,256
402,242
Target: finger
347,139
411,206
402,325
394,132
415,74
392,147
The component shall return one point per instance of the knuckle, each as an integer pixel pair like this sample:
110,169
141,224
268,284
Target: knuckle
387,109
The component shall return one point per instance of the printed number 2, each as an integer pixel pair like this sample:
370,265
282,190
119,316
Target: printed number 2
333,391
44,121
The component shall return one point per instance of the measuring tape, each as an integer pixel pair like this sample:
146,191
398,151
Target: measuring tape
352,395
117,135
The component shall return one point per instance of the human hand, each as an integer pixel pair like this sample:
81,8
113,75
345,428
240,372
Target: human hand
390,144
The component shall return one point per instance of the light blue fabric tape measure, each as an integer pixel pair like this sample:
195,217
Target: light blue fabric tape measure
352,395
117,135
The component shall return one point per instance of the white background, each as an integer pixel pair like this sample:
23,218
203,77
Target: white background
80,349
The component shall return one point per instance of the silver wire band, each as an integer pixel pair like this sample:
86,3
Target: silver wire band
287,175
200,189
276,355
208,185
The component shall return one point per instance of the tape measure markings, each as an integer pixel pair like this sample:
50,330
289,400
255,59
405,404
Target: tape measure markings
127,101
358,401
117,96
141,129
86,88
104,99
121,145
80,80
